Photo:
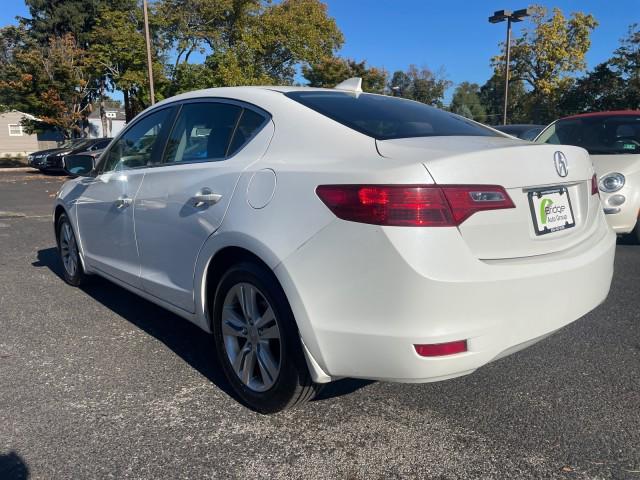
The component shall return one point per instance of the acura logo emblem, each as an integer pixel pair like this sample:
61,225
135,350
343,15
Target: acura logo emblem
562,165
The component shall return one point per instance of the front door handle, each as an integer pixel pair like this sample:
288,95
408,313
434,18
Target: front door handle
123,202
206,197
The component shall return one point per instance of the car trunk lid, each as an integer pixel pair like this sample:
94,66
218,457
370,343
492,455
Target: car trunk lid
528,172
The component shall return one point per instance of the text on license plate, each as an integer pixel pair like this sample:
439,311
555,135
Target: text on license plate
551,210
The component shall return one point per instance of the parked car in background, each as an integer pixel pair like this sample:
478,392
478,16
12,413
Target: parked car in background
328,233
523,131
613,141
51,160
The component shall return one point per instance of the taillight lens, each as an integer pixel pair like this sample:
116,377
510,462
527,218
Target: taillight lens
412,205
594,185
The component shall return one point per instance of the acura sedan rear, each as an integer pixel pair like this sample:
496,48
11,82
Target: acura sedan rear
321,234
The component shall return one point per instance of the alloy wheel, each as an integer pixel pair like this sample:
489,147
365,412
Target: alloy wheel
69,249
251,337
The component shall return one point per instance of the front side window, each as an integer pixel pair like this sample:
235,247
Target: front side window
202,132
136,147
599,135
383,117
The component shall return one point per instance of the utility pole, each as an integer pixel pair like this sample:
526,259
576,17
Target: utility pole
149,64
509,16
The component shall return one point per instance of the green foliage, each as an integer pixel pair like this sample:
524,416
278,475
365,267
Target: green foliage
60,17
118,54
492,99
330,71
546,56
248,42
601,89
626,63
466,102
422,85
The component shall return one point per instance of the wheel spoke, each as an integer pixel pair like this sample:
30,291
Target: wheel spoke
232,324
267,317
239,360
267,365
270,332
248,367
248,302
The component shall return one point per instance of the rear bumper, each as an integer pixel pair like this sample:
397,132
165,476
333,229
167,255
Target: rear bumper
364,295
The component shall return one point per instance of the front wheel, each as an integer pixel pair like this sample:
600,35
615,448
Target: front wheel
69,254
257,341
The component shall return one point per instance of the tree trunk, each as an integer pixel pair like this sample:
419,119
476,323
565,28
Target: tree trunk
127,106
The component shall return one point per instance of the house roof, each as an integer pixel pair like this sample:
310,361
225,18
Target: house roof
28,115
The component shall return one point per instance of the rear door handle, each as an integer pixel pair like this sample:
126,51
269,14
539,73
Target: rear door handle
206,197
123,202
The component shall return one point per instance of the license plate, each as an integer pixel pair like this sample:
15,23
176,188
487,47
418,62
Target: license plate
551,210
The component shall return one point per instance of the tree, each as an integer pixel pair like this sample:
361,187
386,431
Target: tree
546,56
247,41
492,98
118,54
330,71
49,81
422,85
466,102
601,89
58,17
626,63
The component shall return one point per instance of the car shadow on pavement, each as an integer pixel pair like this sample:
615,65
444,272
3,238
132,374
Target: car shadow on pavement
185,339
13,467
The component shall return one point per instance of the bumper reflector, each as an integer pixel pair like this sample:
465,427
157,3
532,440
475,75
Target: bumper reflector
441,349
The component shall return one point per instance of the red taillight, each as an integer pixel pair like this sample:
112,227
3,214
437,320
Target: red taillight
412,205
441,349
594,185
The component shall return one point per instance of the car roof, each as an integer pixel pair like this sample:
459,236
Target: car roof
608,113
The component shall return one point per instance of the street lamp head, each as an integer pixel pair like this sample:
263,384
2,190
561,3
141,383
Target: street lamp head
517,16
522,13
500,16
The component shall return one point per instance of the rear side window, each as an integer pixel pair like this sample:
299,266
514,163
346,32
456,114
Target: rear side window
384,117
249,125
202,132
599,135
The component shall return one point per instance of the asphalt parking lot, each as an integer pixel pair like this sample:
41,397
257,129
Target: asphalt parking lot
98,383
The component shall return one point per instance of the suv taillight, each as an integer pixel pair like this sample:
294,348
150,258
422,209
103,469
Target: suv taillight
412,205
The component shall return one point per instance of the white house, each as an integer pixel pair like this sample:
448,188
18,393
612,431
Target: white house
116,121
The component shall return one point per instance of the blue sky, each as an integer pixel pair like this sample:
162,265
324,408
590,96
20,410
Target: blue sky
451,34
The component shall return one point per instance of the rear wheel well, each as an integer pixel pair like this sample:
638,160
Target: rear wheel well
218,265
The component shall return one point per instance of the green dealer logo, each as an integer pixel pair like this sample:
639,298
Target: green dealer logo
544,204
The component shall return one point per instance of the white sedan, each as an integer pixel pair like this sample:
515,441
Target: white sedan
321,234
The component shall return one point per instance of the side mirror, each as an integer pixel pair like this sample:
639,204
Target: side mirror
78,165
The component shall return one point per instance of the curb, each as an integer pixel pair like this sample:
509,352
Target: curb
18,169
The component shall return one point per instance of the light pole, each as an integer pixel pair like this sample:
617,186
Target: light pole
148,41
509,16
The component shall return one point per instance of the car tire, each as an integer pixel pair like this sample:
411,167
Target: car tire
257,341
72,269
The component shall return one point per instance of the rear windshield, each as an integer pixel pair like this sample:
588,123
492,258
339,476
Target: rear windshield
601,135
384,117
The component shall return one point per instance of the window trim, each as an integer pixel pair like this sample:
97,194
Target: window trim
231,101
20,127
